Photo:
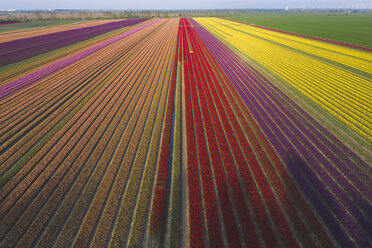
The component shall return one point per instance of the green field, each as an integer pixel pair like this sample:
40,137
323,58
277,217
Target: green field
349,28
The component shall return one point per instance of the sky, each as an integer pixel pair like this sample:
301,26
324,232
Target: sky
185,4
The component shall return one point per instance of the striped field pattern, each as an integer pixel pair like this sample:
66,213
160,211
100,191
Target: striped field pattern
183,132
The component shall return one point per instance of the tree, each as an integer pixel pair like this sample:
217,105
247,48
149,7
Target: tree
38,16
52,15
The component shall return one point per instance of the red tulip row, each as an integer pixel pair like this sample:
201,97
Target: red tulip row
238,173
298,140
5,23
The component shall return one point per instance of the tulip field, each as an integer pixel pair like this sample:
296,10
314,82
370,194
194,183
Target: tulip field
183,132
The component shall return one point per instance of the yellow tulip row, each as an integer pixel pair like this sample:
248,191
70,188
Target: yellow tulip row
356,59
345,83
344,94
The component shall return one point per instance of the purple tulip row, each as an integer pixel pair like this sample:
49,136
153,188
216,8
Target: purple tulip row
19,83
317,160
16,50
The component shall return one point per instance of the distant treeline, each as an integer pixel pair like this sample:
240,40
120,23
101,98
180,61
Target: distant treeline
24,16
